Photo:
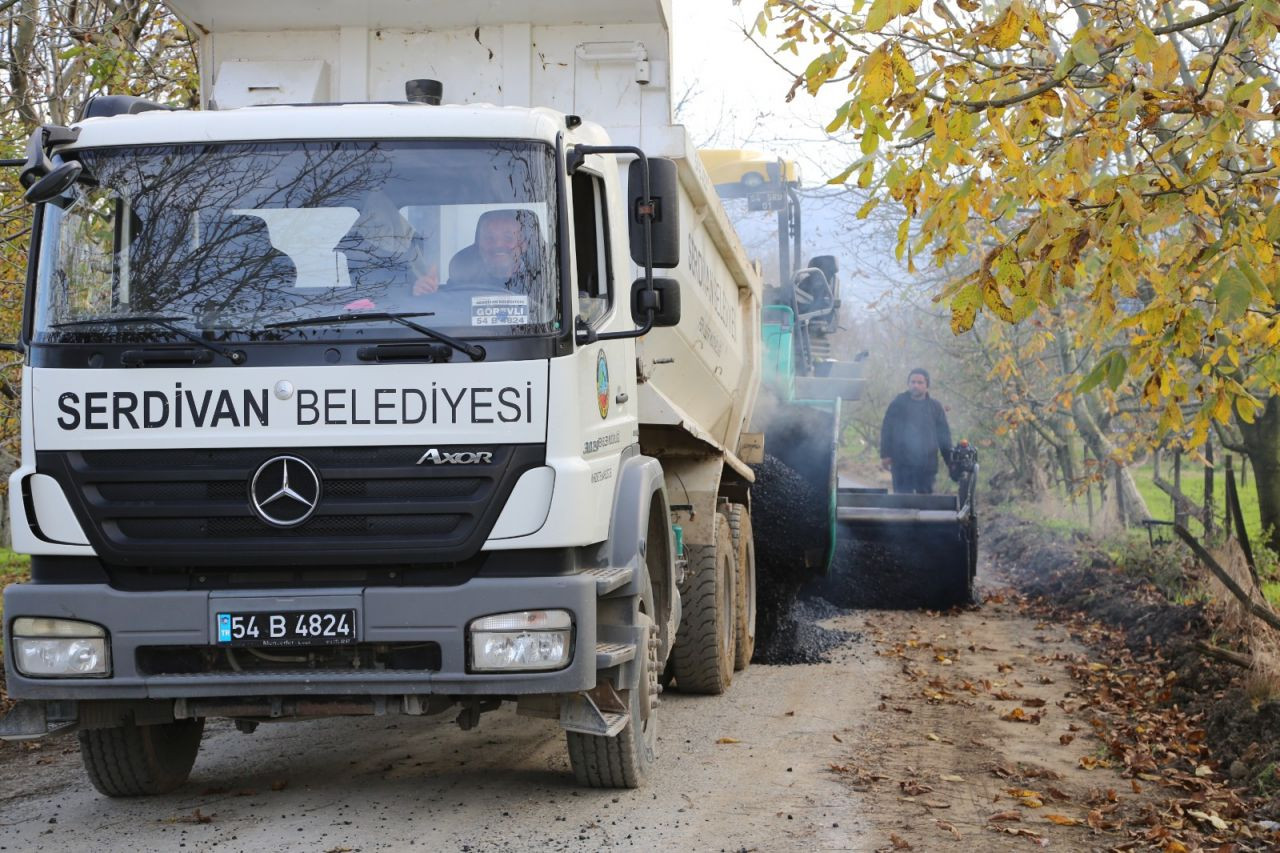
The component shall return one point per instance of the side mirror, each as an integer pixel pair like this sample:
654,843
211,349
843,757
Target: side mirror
665,302
665,190
55,183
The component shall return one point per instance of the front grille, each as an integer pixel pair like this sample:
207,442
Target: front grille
377,505
315,660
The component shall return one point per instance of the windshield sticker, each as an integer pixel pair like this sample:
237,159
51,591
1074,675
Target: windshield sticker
510,309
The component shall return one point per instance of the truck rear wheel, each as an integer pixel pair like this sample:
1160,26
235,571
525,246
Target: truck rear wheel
744,612
626,759
704,651
135,761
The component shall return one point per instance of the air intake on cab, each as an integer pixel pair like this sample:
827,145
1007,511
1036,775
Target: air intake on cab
424,91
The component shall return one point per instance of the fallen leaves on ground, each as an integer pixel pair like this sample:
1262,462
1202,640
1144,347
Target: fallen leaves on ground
1017,715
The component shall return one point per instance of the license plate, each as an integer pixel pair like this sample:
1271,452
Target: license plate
287,628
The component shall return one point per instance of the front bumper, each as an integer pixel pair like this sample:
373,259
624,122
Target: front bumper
136,620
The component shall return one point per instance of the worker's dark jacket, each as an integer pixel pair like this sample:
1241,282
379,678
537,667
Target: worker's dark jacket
914,432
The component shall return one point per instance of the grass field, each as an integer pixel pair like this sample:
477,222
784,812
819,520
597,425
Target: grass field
1161,505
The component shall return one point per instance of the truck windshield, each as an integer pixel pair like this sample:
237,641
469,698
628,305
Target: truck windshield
240,240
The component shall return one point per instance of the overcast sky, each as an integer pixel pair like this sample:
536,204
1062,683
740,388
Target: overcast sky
737,95
736,98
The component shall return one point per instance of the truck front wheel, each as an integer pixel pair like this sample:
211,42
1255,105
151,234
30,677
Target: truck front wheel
705,644
626,759
135,761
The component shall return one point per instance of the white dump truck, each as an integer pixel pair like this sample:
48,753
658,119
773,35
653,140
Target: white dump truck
355,392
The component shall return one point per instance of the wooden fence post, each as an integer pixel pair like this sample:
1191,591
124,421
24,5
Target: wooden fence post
1179,515
1228,473
1208,489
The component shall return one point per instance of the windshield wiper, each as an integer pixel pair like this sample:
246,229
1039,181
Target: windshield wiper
167,323
473,351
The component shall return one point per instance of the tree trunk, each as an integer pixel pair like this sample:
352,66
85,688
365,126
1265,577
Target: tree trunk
1261,441
1133,507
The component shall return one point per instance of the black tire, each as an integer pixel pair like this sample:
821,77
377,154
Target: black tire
626,759
744,611
704,650
957,590
138,761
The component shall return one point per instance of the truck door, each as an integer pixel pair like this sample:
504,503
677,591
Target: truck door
606,372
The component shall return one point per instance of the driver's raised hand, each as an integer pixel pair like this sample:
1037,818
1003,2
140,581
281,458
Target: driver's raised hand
428,282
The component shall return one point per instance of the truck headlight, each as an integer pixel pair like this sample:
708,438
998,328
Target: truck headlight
524,640
59,648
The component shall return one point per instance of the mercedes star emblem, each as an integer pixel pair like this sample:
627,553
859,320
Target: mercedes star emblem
284,491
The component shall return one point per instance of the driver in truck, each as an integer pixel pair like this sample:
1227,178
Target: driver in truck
499,257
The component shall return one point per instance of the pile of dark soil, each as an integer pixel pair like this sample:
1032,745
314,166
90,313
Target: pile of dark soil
1075,574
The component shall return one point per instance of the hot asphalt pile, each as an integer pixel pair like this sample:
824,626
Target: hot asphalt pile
789,517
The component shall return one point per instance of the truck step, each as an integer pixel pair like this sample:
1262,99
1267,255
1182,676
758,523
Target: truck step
612,654
607,580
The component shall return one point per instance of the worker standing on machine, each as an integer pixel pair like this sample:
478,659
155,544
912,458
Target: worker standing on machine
914,432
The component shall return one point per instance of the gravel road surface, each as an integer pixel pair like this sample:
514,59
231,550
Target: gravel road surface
924,731
373,784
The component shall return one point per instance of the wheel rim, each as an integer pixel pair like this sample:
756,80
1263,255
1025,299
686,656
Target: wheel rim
647,690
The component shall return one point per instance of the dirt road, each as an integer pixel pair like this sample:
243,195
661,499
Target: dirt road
908,738
361,785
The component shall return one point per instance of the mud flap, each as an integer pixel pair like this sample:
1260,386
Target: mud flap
32,720
600,711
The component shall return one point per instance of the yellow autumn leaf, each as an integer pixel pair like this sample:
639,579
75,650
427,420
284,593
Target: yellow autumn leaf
964,308
1011,150
866,174
1061,820
1007,30
1021,793
877,76
1035,25
1245,409
1144,43
992,299
1164,65
902,70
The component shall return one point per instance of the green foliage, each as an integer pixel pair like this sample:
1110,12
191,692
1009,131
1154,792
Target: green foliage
14,568
1123,154
57,55
1164,564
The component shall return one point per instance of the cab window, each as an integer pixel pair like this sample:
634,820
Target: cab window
591,240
